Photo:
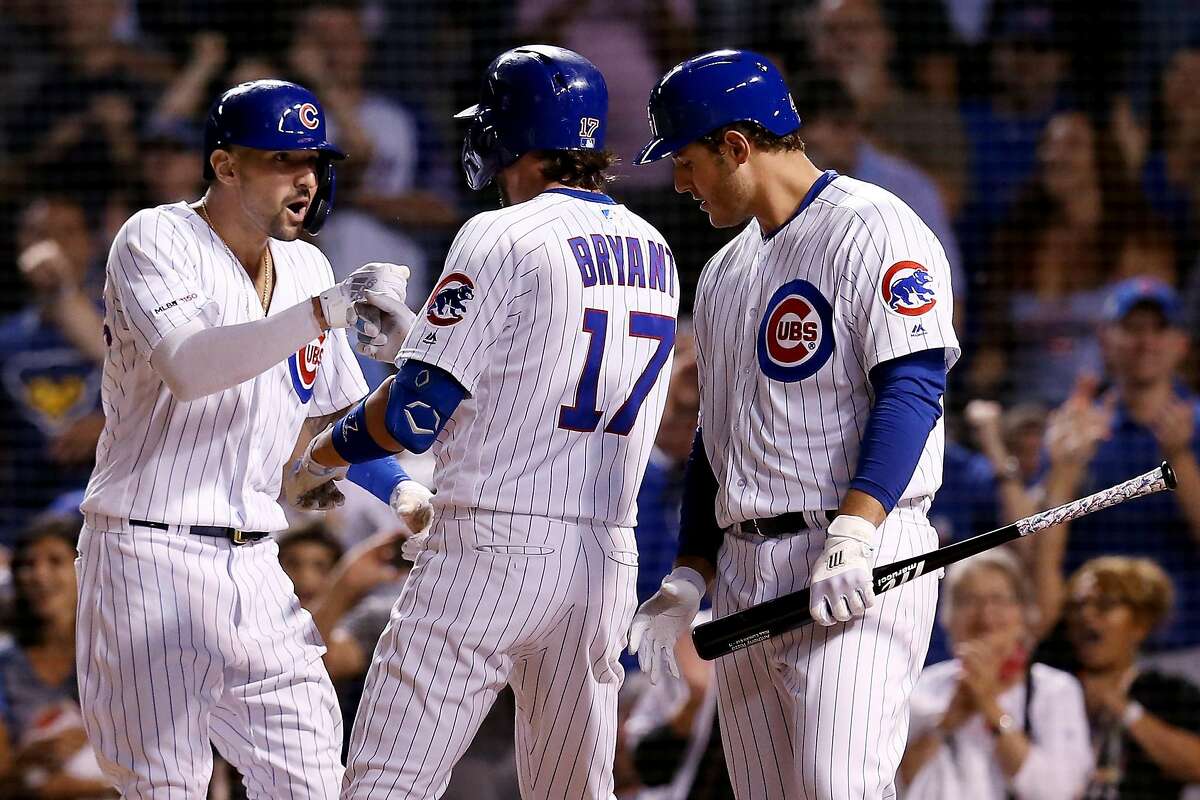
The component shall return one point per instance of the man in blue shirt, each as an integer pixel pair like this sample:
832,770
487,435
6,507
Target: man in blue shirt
1154,417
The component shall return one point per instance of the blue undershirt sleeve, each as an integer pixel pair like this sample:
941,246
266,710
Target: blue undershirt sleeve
699,533
908,393
379,477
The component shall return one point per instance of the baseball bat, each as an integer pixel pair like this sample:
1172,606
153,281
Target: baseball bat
790,611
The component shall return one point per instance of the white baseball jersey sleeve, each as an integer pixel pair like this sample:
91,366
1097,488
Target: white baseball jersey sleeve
558,316
852,280
216,460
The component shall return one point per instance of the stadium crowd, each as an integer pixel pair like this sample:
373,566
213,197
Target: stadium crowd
1054,151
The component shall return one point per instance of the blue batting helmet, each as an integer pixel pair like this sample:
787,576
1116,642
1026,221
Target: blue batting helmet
713,90
275,115
535,97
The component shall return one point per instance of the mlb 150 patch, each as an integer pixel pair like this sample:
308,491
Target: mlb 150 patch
448,303
908,289
795,337
303,367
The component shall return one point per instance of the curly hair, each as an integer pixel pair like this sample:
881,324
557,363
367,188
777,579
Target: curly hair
582,169
1138,583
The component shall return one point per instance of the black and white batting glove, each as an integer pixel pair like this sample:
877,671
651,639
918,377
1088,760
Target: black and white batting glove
310,486
661,620
842,588
337,302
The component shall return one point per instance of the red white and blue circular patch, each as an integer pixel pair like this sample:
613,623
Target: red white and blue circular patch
448,303
303,366
795,336
908,288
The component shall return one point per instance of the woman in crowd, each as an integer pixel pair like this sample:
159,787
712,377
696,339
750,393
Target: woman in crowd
1080,225
40,721
987,723
1144,723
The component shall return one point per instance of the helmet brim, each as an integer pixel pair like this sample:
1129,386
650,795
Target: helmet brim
657,150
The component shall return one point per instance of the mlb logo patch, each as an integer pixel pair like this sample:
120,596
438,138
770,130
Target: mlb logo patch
448,303
908,288
303,364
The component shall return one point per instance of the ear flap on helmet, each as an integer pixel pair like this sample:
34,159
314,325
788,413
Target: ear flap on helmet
322,202
482,155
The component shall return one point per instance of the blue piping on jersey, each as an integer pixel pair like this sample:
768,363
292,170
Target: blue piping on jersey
818,186
583,194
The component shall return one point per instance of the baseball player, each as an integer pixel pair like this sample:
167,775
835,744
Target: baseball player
225,354
823,339
538,375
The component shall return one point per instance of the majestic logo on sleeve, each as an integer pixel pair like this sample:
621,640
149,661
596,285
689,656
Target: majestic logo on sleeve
303,367
795,337
908,288
448,303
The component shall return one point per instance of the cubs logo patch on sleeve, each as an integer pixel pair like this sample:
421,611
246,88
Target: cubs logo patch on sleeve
303,364
448,303
908,288
795,337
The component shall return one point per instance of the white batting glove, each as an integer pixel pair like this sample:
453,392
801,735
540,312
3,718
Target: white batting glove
337,302
411,502
392,318
309,485
841,587
661,620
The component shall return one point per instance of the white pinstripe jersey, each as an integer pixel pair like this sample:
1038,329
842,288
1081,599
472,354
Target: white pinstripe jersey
216,460
558,316
787,331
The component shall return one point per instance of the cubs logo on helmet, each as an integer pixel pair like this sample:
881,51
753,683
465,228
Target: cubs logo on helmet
303,364
448,303
795,336
908,288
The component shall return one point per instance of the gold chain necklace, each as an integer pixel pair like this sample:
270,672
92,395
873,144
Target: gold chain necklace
268,263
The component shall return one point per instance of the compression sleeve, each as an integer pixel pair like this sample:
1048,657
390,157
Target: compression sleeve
195,360
379,477
908,393
699,533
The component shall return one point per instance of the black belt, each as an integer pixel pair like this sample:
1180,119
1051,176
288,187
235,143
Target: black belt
773,527
215,531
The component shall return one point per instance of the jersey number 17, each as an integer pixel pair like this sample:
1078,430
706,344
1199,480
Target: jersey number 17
584,415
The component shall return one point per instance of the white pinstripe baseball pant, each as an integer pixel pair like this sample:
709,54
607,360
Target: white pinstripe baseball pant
821,713
543,605
182,640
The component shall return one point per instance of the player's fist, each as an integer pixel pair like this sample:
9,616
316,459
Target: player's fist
391,318
337,302
661,620
308,485
842,587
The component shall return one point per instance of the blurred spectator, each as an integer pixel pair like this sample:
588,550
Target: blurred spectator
172,156
834,140
49,369
1171,171
308,554
1145,723
82,119
1145,416
633,42
1080,225
986,488
1027,68
852,42
673,732
989,724
41,721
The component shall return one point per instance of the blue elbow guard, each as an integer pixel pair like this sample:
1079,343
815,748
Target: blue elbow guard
422,398
353,442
